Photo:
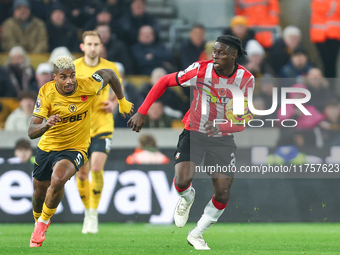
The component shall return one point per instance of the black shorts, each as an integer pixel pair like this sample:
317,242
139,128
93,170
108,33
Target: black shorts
101,142
44,162
218,152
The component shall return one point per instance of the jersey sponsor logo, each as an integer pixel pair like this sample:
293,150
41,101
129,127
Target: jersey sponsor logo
72,108
213,99
97,77
74,118
83,98
57,104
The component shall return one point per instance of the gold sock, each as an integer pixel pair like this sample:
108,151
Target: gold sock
36,215
47,213
96,188
84,191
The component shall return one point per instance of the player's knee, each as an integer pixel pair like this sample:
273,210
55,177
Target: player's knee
58,183
39,195
96,168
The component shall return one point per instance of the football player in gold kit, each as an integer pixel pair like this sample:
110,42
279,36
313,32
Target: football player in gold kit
101,130
66,105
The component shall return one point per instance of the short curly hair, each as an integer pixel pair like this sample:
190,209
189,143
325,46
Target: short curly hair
63,62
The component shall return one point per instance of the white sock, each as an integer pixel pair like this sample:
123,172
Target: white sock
93,211
209,217
187,194
86,212
44,221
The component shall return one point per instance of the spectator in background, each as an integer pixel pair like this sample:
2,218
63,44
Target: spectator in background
267,83
148,54
20,118
239,28
23,152
207,53
131,94
60,31
147,153
43,74
39,8
80,11
6,7
117,8
319,88
303,134
6,87
170,98
23,29
102,17
330,126
279,54
255,60
262,15
20,71
115,49
131,22
58,52
191,49
156,118
296,69
325,33
305,122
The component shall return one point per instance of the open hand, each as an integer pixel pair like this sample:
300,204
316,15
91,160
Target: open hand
136,122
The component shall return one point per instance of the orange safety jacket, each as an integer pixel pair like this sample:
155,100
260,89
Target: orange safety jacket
261,14
325,20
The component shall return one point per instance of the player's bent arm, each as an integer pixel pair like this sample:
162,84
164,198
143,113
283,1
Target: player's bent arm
110,77
37,128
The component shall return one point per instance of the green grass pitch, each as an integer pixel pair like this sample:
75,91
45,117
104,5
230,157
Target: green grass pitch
233,238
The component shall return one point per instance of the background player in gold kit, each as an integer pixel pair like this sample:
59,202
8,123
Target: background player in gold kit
101,130
66,105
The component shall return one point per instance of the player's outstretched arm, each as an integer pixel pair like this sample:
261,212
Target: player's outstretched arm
137,120
37,128
110,77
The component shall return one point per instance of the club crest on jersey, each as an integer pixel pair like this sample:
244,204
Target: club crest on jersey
97,77
83,98
72,108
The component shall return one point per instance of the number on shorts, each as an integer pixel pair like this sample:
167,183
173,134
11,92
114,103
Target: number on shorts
108,143
78,159
233,159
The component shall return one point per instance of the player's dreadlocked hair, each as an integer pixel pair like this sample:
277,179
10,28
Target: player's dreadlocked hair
234,42
63,62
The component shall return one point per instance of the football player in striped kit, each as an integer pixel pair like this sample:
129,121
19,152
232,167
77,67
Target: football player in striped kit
201,138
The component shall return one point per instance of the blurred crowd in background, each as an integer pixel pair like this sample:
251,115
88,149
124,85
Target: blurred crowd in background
131,38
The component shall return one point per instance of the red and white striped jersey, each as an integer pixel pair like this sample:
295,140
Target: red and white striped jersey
210,88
